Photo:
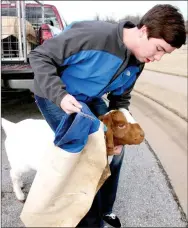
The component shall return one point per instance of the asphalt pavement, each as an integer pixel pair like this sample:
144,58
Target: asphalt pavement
145,198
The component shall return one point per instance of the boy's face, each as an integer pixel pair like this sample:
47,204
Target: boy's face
152,49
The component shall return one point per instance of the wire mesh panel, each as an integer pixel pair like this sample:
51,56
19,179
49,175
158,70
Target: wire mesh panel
11,33
20,23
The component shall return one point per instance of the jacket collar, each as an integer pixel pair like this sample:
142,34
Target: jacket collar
121,25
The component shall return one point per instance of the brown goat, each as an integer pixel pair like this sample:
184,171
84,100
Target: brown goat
120,131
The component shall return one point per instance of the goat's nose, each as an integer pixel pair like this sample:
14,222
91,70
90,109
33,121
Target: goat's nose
142,134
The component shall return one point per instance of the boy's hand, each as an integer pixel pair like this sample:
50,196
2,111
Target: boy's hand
70,105
118,149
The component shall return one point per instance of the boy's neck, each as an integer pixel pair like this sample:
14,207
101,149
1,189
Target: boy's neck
130,37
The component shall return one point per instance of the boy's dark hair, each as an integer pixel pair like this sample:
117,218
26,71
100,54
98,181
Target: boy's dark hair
164,21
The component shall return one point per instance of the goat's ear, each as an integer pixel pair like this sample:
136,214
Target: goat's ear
109,141
101,117
107,119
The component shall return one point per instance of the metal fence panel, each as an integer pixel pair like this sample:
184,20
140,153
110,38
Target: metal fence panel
20,23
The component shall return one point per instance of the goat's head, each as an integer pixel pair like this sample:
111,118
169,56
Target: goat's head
120,131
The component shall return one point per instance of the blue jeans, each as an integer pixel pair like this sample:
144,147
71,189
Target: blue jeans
105,198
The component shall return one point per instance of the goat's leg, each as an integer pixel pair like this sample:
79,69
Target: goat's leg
21,184
17,185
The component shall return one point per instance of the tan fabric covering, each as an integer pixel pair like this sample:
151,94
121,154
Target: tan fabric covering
10,26
65,185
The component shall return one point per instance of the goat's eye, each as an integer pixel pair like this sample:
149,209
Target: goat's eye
121,126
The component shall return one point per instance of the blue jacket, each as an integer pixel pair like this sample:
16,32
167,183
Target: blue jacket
87,60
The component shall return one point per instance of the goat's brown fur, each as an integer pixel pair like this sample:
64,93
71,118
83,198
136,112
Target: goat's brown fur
120,132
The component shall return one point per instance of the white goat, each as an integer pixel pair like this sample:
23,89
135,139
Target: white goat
26,143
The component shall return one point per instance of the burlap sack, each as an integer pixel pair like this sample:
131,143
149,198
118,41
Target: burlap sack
65,185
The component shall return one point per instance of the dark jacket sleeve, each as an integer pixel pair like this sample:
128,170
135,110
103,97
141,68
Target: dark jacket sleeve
47,58
44,60
120,101
123,100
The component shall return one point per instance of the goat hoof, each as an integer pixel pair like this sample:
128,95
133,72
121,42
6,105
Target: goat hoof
21,197
22,186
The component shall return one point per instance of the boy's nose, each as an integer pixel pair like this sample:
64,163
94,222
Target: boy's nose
158,56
